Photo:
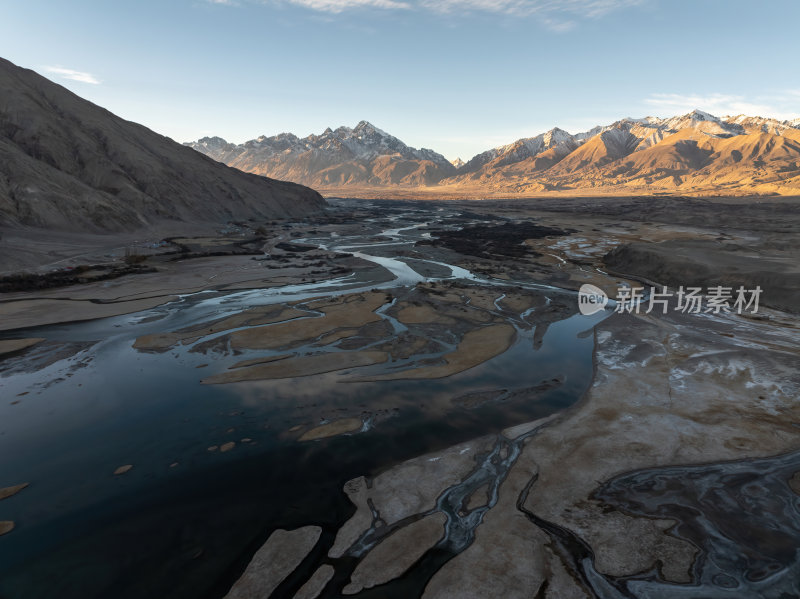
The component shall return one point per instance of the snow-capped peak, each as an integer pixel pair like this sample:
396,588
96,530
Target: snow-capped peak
535,145
365,141
699,115
212,142
367,128
703,122
753,124
556,136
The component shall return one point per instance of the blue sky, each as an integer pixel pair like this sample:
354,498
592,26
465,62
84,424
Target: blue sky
458,76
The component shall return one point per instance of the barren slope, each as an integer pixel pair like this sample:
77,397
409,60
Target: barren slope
68,164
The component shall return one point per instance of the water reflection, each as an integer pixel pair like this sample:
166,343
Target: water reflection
174,524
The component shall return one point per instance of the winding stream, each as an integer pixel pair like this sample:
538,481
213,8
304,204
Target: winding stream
185,519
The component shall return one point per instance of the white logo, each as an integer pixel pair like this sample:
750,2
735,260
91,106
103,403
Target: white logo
591,299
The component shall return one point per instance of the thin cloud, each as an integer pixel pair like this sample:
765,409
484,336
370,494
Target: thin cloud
722,105
337,6
557,25
588,8
73,75
559,16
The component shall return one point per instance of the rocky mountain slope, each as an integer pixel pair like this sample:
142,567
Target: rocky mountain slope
363,155
68,164
695,153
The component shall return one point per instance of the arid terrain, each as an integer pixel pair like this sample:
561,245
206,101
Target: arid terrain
69,165
400,299
400,399
696,153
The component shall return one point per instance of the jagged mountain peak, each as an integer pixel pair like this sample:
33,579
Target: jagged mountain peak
757,124
645,121
648,150
364,141
700,115
364,153
537,143
367,128
213,143
556,136
214,139
703,122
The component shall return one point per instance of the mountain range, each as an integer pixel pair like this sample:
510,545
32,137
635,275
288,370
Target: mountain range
341,157
68,164
696,153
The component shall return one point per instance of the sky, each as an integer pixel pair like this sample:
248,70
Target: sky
457,76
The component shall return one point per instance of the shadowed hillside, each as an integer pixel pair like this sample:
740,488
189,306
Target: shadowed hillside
68,164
